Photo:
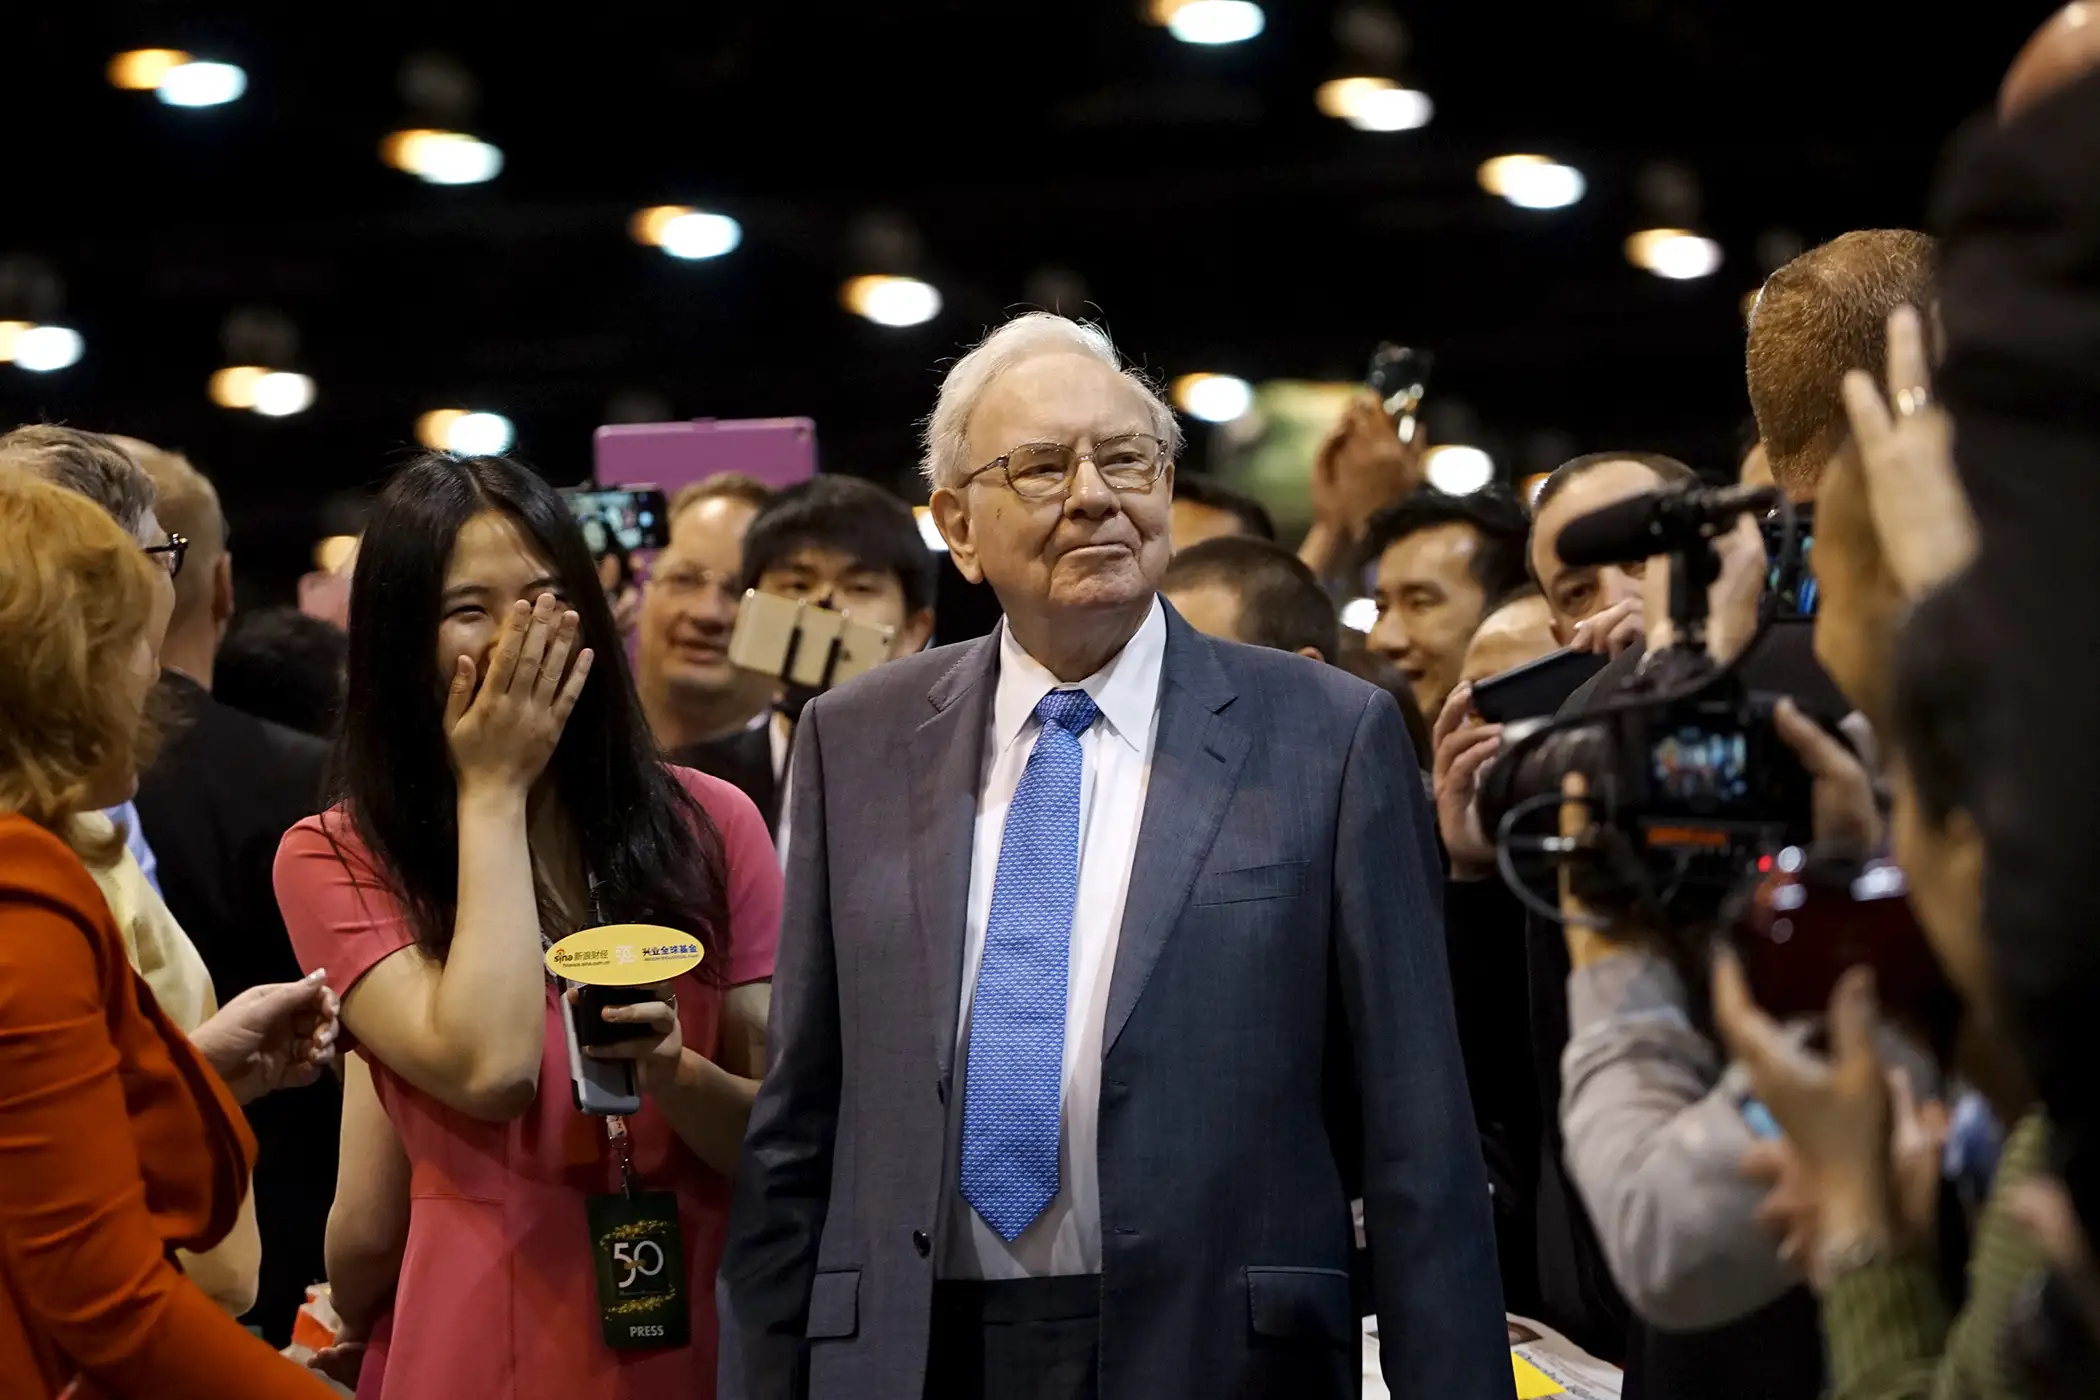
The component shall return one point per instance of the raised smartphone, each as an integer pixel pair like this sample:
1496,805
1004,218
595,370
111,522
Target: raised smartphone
603,1087
591,1026
619,519
1537,688
802,644
1399,375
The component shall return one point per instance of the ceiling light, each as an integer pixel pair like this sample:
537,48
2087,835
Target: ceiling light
282,393
11,331
442,157
892,301
434,429
196,84
1533,182
481,434
698,235
929,531
1674,253
1214,398
647,226
685,232
42,349
1391,109
465,434
332,552
1458,471
1360,614
234,386
1343,98
1210,21
141,70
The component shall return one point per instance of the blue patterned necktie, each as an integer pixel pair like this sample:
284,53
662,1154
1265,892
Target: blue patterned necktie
1017,1018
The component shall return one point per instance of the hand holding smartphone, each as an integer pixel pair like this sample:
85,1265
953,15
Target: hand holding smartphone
1537,689
602,1087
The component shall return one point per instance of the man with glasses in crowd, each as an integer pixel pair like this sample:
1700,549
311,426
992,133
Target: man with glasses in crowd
91,465
1110,972
689,691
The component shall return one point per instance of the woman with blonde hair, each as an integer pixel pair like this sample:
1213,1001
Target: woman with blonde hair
119,1141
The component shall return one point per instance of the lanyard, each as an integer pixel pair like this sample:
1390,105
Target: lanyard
616,1133
623,1150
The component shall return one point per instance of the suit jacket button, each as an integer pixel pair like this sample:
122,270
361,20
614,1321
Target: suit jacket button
920,1242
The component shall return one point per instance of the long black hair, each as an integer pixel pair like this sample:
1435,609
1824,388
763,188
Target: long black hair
654,853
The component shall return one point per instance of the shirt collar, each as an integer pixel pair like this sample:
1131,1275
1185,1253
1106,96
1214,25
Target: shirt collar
1126,689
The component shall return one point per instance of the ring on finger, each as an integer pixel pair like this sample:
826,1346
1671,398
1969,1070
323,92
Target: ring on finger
1911,402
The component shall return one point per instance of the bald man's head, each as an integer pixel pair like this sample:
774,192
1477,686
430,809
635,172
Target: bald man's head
2064,49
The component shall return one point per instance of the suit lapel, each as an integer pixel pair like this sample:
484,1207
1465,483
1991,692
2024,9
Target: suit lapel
947,763
1196,761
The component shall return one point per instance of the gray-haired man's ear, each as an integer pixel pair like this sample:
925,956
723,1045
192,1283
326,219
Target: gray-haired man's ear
953,518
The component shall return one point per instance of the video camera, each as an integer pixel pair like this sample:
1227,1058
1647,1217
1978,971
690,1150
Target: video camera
1692,792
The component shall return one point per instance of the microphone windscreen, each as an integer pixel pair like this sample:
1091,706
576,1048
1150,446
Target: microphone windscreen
1620,533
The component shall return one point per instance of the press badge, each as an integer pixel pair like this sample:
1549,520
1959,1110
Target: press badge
640,1264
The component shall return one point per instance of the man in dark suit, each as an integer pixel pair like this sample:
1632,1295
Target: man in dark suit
220,796
1111,971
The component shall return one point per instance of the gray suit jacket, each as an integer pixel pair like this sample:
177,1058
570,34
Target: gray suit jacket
1279,1039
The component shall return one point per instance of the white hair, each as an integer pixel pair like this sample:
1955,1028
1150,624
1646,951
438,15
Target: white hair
1038,333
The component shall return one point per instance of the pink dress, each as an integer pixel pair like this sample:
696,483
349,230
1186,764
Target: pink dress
496,1299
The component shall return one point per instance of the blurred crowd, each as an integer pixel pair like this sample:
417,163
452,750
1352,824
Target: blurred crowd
282,1102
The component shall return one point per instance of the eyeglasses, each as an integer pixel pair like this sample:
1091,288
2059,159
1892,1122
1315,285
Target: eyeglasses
1041,471
685,581
177,547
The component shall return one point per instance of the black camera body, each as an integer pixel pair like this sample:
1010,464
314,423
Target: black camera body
1692,792
1705,790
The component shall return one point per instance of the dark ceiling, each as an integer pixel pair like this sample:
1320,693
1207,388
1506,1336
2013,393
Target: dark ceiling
1211,214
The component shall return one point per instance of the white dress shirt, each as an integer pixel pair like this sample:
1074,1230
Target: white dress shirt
1117,754
778,734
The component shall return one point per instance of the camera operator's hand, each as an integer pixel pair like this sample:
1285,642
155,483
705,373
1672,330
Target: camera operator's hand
1587,942
1845,815
1731,600
1607,633
1463,744
1920,512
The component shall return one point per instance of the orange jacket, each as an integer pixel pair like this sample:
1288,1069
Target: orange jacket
117,1143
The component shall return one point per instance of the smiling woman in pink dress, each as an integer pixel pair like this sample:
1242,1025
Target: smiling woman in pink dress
500,791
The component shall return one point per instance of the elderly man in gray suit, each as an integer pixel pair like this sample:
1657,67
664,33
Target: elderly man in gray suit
1111,971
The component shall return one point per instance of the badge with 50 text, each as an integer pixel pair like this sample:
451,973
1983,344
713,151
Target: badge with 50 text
640,1268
